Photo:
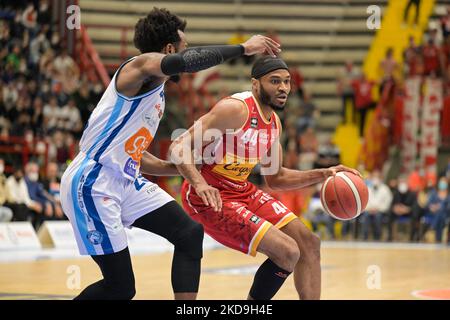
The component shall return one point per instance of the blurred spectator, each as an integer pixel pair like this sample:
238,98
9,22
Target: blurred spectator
239,37
438,208
403,203
317,215
52,115
83,101
71,118
29,17
346,77
291,148
37,119
431,58
409,5
52,185
363,99
37,193
13,59
6,213
380,198
38,46
308,114
296,80
445,24
308,149
66,71
412,57
44,16
389,68
328,155
21,204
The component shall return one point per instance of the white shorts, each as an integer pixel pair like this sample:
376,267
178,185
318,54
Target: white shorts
99,204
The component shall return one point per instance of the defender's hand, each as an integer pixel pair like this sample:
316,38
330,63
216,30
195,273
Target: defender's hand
259,44
210,196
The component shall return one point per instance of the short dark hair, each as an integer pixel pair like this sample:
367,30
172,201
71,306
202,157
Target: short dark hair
158,29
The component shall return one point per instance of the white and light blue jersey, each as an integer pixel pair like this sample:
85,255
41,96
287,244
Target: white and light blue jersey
120,129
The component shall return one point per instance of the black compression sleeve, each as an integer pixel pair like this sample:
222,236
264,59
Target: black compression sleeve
199,58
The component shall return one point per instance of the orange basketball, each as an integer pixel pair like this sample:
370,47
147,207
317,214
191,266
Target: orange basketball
344,196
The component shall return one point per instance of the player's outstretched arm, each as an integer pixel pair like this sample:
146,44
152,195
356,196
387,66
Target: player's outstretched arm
281,178
158,65
154,166
226,114
278,177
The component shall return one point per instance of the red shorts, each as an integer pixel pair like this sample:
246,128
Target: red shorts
246,215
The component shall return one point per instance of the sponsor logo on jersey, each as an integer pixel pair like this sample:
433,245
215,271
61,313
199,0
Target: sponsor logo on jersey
95,237
131,167
151,119
254,122
255,219
151,189
138,143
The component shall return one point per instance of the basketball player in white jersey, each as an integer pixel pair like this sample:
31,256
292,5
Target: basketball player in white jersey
102,190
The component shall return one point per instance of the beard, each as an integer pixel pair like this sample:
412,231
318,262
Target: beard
266,99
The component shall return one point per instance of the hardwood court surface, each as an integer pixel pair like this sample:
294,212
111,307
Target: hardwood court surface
349,271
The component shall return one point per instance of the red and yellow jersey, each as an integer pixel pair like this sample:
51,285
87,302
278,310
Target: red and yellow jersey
236,153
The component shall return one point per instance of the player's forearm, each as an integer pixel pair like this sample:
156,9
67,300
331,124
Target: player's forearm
181,155
199,58
154,166
288,179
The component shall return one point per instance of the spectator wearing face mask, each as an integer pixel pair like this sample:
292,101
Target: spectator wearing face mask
403,204
21,203
6,213
380,198
37,193
438,208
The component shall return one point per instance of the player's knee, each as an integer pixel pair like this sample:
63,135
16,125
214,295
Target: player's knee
191,241
312,246
289,254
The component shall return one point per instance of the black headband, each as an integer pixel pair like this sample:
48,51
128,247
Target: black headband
267,64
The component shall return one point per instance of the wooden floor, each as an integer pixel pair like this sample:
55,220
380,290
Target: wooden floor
346,272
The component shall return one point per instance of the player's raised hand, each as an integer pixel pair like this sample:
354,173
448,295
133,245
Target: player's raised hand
210,196
260,44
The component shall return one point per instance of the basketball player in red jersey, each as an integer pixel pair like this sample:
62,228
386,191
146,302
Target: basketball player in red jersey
232,210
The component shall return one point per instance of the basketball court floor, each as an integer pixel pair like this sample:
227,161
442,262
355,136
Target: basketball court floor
350,270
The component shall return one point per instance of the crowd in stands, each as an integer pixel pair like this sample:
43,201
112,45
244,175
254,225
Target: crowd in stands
44,105
45,102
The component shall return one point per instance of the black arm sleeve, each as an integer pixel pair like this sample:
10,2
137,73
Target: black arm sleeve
199,58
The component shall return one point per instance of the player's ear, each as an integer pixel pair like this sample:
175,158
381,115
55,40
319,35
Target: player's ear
169,49
255,84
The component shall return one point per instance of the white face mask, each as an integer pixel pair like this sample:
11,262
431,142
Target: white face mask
2,168
376,181
33,176
403,187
